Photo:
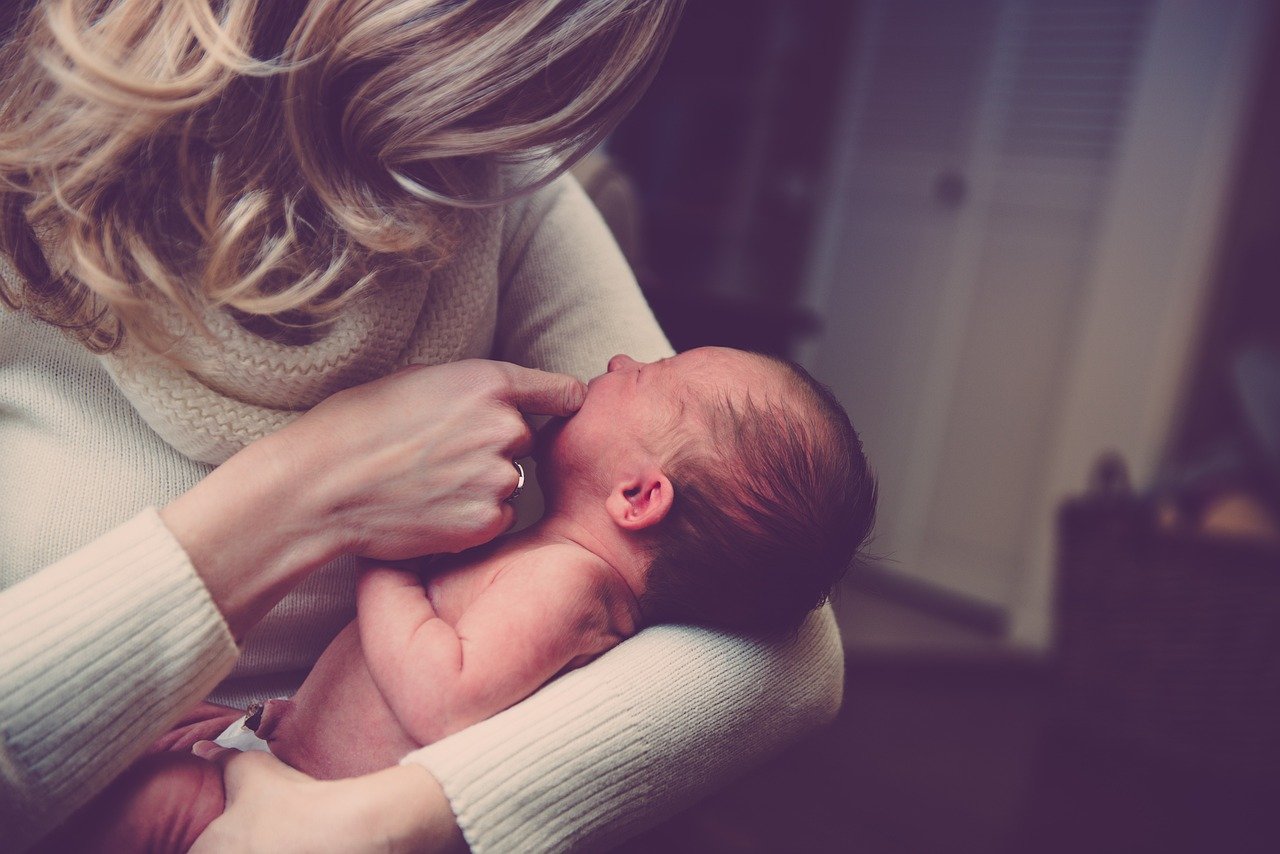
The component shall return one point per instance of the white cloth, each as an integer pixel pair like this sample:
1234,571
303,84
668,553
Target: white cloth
107,634
237,736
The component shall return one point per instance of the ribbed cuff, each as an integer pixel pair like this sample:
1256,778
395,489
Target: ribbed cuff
99,653
529,779
635,736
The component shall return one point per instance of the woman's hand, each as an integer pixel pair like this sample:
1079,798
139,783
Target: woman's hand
421,461
416,462
274,808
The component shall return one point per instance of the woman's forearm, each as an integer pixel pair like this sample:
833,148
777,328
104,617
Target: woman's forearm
99,653
252,532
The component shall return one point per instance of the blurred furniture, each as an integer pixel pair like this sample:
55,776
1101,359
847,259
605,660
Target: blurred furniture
1164,733
1169,639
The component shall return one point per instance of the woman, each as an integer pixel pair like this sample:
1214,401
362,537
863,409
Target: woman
242,254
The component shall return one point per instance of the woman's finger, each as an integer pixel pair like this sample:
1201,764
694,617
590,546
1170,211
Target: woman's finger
213,752
509,518
536,392
521,443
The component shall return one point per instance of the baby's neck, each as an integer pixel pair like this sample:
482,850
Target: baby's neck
561,528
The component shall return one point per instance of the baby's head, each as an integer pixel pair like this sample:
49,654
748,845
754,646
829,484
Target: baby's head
738,476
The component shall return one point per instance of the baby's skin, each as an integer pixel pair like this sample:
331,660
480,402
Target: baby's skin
421,662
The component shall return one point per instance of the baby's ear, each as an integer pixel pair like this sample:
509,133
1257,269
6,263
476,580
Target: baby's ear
640,502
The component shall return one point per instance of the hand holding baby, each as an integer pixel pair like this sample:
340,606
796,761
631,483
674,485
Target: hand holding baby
272,807
421,461
418,462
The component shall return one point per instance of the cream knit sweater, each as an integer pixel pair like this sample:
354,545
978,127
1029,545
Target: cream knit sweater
107,634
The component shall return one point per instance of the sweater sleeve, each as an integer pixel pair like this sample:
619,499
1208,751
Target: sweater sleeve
99,654
568,300
639,734
668,715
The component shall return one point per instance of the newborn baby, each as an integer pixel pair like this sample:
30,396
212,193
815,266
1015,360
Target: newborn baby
716,487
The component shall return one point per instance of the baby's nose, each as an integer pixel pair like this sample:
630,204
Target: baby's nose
620,361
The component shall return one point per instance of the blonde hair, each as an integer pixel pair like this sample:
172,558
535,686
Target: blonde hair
275,158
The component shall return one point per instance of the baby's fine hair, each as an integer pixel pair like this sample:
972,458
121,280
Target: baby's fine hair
770,510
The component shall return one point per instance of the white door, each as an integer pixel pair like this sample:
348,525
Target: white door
994,156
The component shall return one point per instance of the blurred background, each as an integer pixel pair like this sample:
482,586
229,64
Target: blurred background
1032,246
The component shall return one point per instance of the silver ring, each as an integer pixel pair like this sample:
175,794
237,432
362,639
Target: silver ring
515,493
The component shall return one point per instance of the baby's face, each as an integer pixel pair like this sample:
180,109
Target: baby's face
636,403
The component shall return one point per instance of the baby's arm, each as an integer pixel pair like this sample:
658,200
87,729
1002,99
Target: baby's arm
536,617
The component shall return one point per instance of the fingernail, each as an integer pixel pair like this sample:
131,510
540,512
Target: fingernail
204,749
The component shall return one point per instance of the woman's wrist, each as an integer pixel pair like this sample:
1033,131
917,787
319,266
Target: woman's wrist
408,808
251,533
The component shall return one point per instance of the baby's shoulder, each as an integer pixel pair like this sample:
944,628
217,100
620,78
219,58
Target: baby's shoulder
616,613
581,582
557,564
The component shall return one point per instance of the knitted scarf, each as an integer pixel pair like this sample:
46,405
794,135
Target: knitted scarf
248,386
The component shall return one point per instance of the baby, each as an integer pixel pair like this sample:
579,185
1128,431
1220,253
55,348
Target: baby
716,487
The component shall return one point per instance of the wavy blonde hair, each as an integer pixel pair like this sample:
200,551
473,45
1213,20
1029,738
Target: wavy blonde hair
275,158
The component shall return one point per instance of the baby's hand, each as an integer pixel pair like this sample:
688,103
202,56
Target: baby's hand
387,592
396,573
387,572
